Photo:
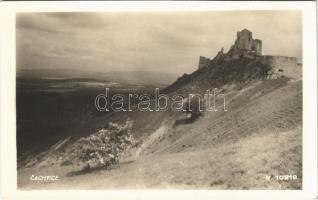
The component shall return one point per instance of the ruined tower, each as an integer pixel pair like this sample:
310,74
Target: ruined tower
245,46
203,62
245,42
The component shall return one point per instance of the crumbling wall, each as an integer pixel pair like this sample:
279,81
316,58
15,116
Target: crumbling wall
203,62
244,40
282,66
244,47
257,46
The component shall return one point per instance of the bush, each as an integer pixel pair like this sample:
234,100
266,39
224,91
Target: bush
104,147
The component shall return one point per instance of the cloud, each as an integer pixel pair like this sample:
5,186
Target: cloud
154,41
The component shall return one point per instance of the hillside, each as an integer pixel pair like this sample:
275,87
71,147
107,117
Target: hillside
235,149
257,139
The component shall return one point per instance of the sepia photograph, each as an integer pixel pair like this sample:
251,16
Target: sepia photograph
160,100
144,100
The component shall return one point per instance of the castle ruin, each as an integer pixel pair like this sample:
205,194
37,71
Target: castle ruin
246,42
247,47
203,62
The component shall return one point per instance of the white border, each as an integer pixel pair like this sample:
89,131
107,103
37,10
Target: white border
7,90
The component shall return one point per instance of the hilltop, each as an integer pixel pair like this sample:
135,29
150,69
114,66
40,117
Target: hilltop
242,63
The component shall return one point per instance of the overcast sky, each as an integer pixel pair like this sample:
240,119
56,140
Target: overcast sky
153,41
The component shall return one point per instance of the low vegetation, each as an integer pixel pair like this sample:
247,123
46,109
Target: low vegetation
102,148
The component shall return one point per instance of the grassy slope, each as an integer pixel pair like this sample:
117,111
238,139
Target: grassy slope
260,135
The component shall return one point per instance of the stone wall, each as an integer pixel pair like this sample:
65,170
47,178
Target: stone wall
245,42
244,47
282,66
203,62
257,46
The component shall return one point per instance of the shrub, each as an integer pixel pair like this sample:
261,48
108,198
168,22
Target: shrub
104,147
